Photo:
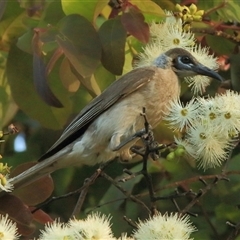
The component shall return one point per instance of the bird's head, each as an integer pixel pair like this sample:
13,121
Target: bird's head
184,64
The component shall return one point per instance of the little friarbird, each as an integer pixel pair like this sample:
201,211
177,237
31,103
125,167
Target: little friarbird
115,115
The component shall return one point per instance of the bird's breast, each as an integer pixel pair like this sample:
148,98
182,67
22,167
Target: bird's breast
163,88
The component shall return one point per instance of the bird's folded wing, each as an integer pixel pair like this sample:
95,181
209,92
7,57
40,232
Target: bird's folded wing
119,89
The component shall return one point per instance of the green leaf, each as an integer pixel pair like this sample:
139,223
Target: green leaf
12,10
113,38
89,9
11,29
235,72
69,80
3,4
231,10
80,44
165,4
88,82
24,93
220,45
25,41
7,107
231,213
104,77
53,12
149,7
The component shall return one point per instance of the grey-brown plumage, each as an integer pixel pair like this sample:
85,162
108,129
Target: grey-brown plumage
115,115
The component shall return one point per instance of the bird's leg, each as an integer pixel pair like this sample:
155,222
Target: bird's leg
128,140
148,141
151,147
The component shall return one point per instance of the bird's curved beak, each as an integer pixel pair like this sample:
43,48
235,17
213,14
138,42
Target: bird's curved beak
202,70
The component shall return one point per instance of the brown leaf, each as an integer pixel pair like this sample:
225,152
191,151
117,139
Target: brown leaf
18,212
56,55
36,192
133,21
40,216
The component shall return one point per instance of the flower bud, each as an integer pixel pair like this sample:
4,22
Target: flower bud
3,180
180,151
189,18
170,156
199,13
178,8
187,27
197,18
193,8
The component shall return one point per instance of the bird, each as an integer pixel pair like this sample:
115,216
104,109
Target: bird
95,134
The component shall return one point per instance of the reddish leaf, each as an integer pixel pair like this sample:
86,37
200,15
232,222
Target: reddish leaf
114,13
69,79
113,38
56,55
39,75
36,192
18,212
40,216
80,43
133,21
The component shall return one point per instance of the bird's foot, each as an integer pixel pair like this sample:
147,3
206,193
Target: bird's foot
129,139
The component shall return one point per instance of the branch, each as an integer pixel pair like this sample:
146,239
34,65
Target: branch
214,9
218,33
87,183
127,194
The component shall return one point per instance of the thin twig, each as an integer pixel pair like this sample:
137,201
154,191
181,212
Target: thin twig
86,184
127,194
235,232
214,9
217,33
130,222
201,193
81,199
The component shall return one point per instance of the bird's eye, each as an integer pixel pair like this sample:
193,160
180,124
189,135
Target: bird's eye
186,60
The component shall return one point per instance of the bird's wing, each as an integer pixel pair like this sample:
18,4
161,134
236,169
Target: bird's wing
119,89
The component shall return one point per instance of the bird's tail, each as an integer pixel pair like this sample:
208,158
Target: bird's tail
37,171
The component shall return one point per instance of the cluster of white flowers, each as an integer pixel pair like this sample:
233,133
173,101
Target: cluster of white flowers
210,127
170,34
98,227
